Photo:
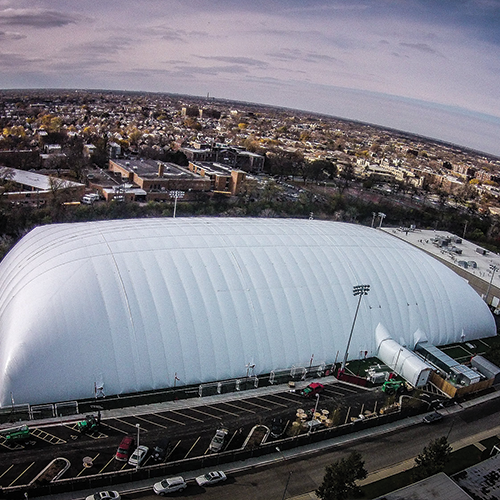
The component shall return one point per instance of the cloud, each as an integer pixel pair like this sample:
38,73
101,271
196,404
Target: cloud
245,61
178,35
10,35
37,18
290,55
421,47
16,61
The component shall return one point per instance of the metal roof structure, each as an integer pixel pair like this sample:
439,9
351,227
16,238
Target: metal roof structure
130,304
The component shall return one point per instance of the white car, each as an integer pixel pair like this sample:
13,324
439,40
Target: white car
104,495
218,440
169,485
138,456
211,478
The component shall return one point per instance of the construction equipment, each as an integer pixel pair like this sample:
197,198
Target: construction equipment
90,424
394,387
16,434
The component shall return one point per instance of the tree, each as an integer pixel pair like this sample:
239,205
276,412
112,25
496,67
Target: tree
340,478
433,458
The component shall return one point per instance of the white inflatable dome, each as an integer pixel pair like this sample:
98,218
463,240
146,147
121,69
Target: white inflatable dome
128,304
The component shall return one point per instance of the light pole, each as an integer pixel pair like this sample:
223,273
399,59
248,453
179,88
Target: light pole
138,430
289,472
382,217
176,195
357,290
374,214
494,269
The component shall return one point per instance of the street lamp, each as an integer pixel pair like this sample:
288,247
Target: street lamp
494,269
176,195
138,430
357,290
289,472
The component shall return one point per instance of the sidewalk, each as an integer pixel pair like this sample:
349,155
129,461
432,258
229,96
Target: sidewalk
409,463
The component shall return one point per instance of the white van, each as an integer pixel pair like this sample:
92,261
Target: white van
89,199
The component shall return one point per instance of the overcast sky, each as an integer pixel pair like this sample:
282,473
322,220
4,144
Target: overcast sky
431,67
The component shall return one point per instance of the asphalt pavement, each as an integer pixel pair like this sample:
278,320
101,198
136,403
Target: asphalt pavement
304,451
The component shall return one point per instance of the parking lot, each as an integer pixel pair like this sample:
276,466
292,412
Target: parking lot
188,426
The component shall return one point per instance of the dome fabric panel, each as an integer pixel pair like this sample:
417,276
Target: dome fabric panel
131,303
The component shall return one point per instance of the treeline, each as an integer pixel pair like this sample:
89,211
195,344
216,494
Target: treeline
16,221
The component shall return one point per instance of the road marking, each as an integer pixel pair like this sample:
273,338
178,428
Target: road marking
289,400
6,470
116,429
207,414
173,449
191,449
170,419
110,460
151,422
273,402
226,411
128,423
229,442
255,404
86,468
186,415
25,470
45,436
10,446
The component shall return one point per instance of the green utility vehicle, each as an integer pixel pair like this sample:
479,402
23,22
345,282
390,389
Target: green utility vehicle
16,434
394,387
89,425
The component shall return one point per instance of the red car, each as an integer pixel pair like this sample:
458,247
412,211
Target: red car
312,389
125,449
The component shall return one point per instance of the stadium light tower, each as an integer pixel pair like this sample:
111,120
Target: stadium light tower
494,269
382,217
357,290
176,195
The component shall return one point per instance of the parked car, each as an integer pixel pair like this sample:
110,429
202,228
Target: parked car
278,426
125,449
160,451
104,495
432,417
218,440
314,425
138,456
169,485
210,478
312,389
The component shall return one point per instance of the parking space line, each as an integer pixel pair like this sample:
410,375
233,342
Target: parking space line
10,446
228,412
85,468
291,399
229,442
6,470
186,415
23,472
115,428
273,402
128,423
150,422
207,414
169,419
254,404
191,449
110,460
173,449
45,436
